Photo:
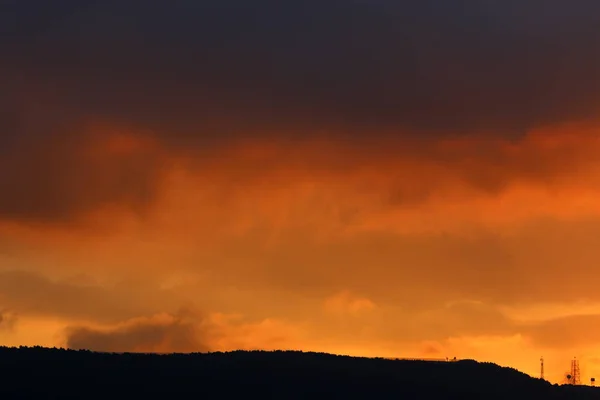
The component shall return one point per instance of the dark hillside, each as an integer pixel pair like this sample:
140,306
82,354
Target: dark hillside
55,373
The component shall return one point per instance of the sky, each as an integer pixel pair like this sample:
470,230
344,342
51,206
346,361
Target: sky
377,178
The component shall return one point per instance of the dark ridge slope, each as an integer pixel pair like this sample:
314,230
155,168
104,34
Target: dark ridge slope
56,373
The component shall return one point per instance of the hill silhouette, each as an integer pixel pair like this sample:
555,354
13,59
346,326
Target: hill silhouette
67,374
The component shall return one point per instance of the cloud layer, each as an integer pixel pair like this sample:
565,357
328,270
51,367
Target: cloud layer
379,178
396,78
358,65
158,334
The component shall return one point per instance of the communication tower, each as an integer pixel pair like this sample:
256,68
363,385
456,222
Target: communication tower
542,368
575,372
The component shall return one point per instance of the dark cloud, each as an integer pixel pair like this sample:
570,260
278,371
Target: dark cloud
208,71
52,180
161,333
495,65
54,167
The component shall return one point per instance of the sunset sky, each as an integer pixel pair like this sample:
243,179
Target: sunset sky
414,178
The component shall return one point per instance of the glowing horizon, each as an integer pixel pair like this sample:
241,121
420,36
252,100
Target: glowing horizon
189,180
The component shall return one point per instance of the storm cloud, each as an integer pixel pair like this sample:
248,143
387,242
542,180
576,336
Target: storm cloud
213,67
197,75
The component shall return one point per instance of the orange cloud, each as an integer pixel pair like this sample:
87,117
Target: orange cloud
346,303
186,331
406,235
7,320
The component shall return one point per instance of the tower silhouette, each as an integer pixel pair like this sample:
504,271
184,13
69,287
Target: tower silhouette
575,372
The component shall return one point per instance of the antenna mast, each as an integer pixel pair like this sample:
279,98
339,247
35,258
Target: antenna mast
542,368
575,372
